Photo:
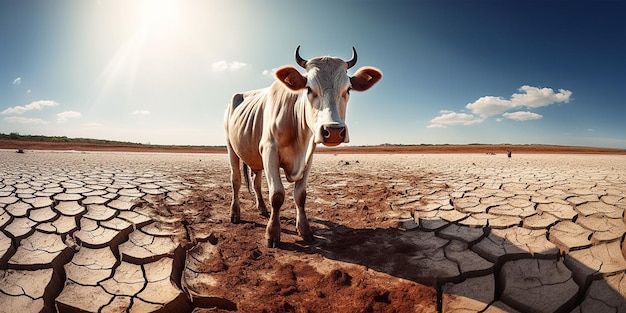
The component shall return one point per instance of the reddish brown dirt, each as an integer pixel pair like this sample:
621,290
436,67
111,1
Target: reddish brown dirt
299,277
296,279
419,149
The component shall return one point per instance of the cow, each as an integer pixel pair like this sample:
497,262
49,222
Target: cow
280,126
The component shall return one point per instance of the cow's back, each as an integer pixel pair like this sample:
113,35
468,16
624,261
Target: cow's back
270,117
244,125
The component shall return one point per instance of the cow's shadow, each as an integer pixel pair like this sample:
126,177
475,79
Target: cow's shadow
458,260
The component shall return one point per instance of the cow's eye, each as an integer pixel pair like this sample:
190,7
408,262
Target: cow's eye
309,90
348,90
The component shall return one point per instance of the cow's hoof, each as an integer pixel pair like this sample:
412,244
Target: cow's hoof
305,232
235,219
273,243
308,238
263,210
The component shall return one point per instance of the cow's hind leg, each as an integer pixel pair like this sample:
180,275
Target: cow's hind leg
235,179
302,223
260,204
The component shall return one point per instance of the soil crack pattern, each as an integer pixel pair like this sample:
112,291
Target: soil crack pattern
150,232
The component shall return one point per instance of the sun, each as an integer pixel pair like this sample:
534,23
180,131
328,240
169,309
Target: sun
159,16
155,37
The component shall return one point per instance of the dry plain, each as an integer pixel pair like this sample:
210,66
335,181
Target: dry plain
149,232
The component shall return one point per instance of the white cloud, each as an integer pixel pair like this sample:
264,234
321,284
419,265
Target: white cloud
28,91
141,112
24,120
17,81
236,65
487,106
221,66
522,116
534,97
35,105
269,73
530,97
65,116
452,118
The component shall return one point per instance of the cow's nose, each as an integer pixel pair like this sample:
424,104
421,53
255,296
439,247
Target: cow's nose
333,134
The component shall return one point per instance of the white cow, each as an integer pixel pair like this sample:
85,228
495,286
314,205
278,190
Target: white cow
280,126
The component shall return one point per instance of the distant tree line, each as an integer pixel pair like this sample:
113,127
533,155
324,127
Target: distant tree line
17,136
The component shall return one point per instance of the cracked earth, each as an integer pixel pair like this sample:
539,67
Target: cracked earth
148,232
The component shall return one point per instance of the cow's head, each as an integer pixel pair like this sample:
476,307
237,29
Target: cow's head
327,86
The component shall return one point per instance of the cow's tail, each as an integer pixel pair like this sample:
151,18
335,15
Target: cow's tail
246,175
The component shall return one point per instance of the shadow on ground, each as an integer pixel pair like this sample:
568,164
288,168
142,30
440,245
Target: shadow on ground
470,269
475,269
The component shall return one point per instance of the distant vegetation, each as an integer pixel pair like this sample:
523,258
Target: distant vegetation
17,136
40,138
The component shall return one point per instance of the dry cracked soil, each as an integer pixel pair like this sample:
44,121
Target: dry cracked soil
149,232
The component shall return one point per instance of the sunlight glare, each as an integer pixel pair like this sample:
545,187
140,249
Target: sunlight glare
159,15
158,41
158,25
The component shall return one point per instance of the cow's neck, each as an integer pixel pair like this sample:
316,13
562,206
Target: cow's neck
303,147
305,132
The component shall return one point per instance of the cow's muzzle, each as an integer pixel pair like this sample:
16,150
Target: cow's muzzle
333,135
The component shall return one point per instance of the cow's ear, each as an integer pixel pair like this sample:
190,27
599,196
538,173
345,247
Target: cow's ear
365,78
291,78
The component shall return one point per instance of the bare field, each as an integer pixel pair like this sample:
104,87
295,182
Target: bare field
104,231
383,149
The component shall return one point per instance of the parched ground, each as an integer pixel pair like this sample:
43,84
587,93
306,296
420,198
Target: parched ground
149,232
383,149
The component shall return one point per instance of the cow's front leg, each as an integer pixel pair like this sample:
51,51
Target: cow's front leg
277,196
235,180
260,204
302,223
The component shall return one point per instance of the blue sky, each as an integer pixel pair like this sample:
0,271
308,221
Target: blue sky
455,72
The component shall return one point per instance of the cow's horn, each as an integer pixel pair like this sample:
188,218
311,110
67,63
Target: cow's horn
302,62
352,61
